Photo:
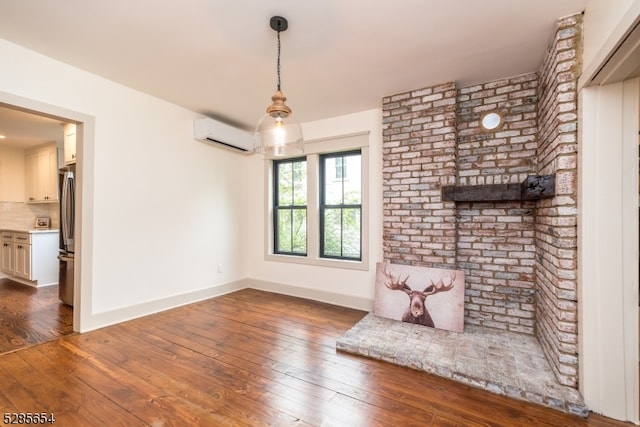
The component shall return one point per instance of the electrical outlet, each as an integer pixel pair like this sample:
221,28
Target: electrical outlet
219,268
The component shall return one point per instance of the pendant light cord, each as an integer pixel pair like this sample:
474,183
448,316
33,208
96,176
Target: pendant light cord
278,69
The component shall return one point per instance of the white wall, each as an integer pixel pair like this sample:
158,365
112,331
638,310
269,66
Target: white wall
605,24
160,211
346,287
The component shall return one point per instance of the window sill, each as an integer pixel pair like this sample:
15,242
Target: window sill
319,262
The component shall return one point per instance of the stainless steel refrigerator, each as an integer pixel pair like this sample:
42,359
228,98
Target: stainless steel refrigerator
67,223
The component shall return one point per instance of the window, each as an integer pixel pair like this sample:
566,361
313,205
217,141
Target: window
290,207
341,205
340,168
317,206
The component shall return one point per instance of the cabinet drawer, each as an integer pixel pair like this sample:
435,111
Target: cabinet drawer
7,237
22,238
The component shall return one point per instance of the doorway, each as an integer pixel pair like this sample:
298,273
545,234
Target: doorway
84,133
31,155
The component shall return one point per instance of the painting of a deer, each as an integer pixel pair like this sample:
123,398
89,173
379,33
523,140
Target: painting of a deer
417,311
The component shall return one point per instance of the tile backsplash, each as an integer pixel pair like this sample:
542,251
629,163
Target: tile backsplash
14,215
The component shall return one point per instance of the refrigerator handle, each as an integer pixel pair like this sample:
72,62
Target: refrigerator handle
67,208
63,207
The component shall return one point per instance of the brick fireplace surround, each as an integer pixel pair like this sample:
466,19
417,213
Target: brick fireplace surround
519,257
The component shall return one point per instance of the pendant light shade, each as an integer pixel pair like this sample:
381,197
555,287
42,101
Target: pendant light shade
278,134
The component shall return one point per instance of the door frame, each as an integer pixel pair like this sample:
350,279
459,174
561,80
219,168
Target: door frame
84,196
608,249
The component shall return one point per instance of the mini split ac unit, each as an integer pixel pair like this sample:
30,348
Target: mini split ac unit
225,136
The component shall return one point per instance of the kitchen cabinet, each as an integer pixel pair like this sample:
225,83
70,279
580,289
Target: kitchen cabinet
31,255
7,253
41,166
12,174
22,255
69,144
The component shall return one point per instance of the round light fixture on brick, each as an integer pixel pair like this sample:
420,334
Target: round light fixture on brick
491,121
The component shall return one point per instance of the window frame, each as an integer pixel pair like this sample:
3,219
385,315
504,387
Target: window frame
313,149
323,206
291,208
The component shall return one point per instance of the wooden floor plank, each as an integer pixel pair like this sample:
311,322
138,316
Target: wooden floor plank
308,367
222,388
106,368
79,376
248,358
262,384
308,376
30,315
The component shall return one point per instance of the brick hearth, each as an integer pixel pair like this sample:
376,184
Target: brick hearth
507,363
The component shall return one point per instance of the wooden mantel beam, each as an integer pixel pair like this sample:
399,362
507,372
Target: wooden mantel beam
535,187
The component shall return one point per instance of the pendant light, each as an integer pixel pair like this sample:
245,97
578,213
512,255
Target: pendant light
278,134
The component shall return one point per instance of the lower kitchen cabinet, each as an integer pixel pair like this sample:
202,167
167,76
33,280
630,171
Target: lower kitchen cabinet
22,258
7,265
31,256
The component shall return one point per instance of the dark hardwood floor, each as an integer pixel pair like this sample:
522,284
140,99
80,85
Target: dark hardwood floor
31,316
247,358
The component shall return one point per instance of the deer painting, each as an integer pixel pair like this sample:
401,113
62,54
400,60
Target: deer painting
417,311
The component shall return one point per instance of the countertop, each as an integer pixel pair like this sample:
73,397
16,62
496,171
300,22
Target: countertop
31,231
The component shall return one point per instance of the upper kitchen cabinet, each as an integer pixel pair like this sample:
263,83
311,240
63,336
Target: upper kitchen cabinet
41,166
12,174
69,144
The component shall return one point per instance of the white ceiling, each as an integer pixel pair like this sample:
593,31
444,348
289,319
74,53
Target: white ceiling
23,130
218,57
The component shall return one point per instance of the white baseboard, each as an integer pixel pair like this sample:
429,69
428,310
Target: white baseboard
100,320
350,301
23,281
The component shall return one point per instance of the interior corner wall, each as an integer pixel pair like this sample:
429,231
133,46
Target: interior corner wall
556,218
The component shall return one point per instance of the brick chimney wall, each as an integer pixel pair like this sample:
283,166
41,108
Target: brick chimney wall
419,157
519,258
556,219
495,241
